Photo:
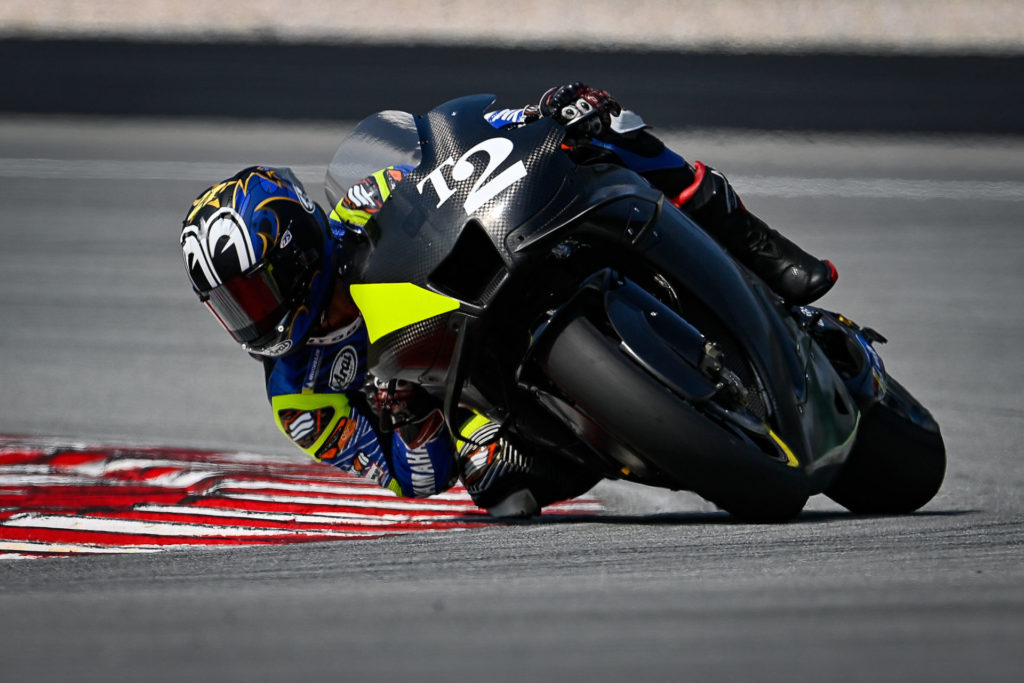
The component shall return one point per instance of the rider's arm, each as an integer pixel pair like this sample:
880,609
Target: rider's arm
333,430
366,198
328,428
599,130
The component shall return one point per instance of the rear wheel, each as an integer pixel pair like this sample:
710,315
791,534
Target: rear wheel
636,410
898,462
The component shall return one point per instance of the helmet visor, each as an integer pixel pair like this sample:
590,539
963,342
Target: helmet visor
250,306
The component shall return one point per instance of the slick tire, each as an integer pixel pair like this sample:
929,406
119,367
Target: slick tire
898,462
636,410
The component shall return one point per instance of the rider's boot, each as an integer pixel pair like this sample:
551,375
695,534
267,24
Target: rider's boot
791,272
507,482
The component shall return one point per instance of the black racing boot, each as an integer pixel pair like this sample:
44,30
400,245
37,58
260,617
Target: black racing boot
791,272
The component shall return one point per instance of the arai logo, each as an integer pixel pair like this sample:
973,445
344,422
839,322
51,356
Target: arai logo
307,204
344,368
278,349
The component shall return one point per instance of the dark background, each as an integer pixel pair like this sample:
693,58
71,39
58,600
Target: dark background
268,80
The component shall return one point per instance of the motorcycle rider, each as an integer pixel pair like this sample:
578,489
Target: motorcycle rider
271,266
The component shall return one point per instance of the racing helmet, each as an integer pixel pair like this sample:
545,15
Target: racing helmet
260,255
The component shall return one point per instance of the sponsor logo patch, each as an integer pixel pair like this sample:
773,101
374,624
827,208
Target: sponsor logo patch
344,369
305,202
314,369
278,349
422,472
336,336
363,466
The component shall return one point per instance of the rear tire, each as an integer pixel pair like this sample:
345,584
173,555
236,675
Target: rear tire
636,410
898,462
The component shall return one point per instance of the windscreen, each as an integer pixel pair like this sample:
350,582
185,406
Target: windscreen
385,139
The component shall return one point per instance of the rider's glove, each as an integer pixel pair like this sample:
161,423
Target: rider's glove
580,106
408,408
366,197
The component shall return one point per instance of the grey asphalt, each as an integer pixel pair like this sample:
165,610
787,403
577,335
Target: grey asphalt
101,339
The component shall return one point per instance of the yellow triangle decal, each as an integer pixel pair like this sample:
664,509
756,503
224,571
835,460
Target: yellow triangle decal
390,306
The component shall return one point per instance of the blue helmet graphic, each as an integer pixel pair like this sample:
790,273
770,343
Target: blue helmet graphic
260,256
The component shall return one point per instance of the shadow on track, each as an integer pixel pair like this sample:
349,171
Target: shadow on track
702,518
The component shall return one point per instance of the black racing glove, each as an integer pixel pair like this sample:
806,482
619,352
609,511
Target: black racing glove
577,105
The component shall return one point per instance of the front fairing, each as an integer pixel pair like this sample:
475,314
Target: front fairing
468,172
441,238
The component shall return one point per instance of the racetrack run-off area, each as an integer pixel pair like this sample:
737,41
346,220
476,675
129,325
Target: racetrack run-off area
90,499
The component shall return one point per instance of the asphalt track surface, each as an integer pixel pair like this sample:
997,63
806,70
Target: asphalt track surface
101,339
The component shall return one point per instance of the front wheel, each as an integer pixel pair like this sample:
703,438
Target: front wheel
898,462
634,409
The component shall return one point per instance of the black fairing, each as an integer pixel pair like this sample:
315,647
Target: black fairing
497,260
420,233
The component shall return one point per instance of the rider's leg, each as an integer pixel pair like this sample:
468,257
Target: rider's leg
795,275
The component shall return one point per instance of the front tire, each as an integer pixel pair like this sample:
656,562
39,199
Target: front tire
898,462
636,410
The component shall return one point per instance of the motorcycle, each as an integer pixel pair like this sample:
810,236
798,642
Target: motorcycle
594,321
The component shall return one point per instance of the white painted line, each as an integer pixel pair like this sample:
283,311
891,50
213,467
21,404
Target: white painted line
25,469
396,504
137,527
98,468
53,480
61,548
335,489
312,518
